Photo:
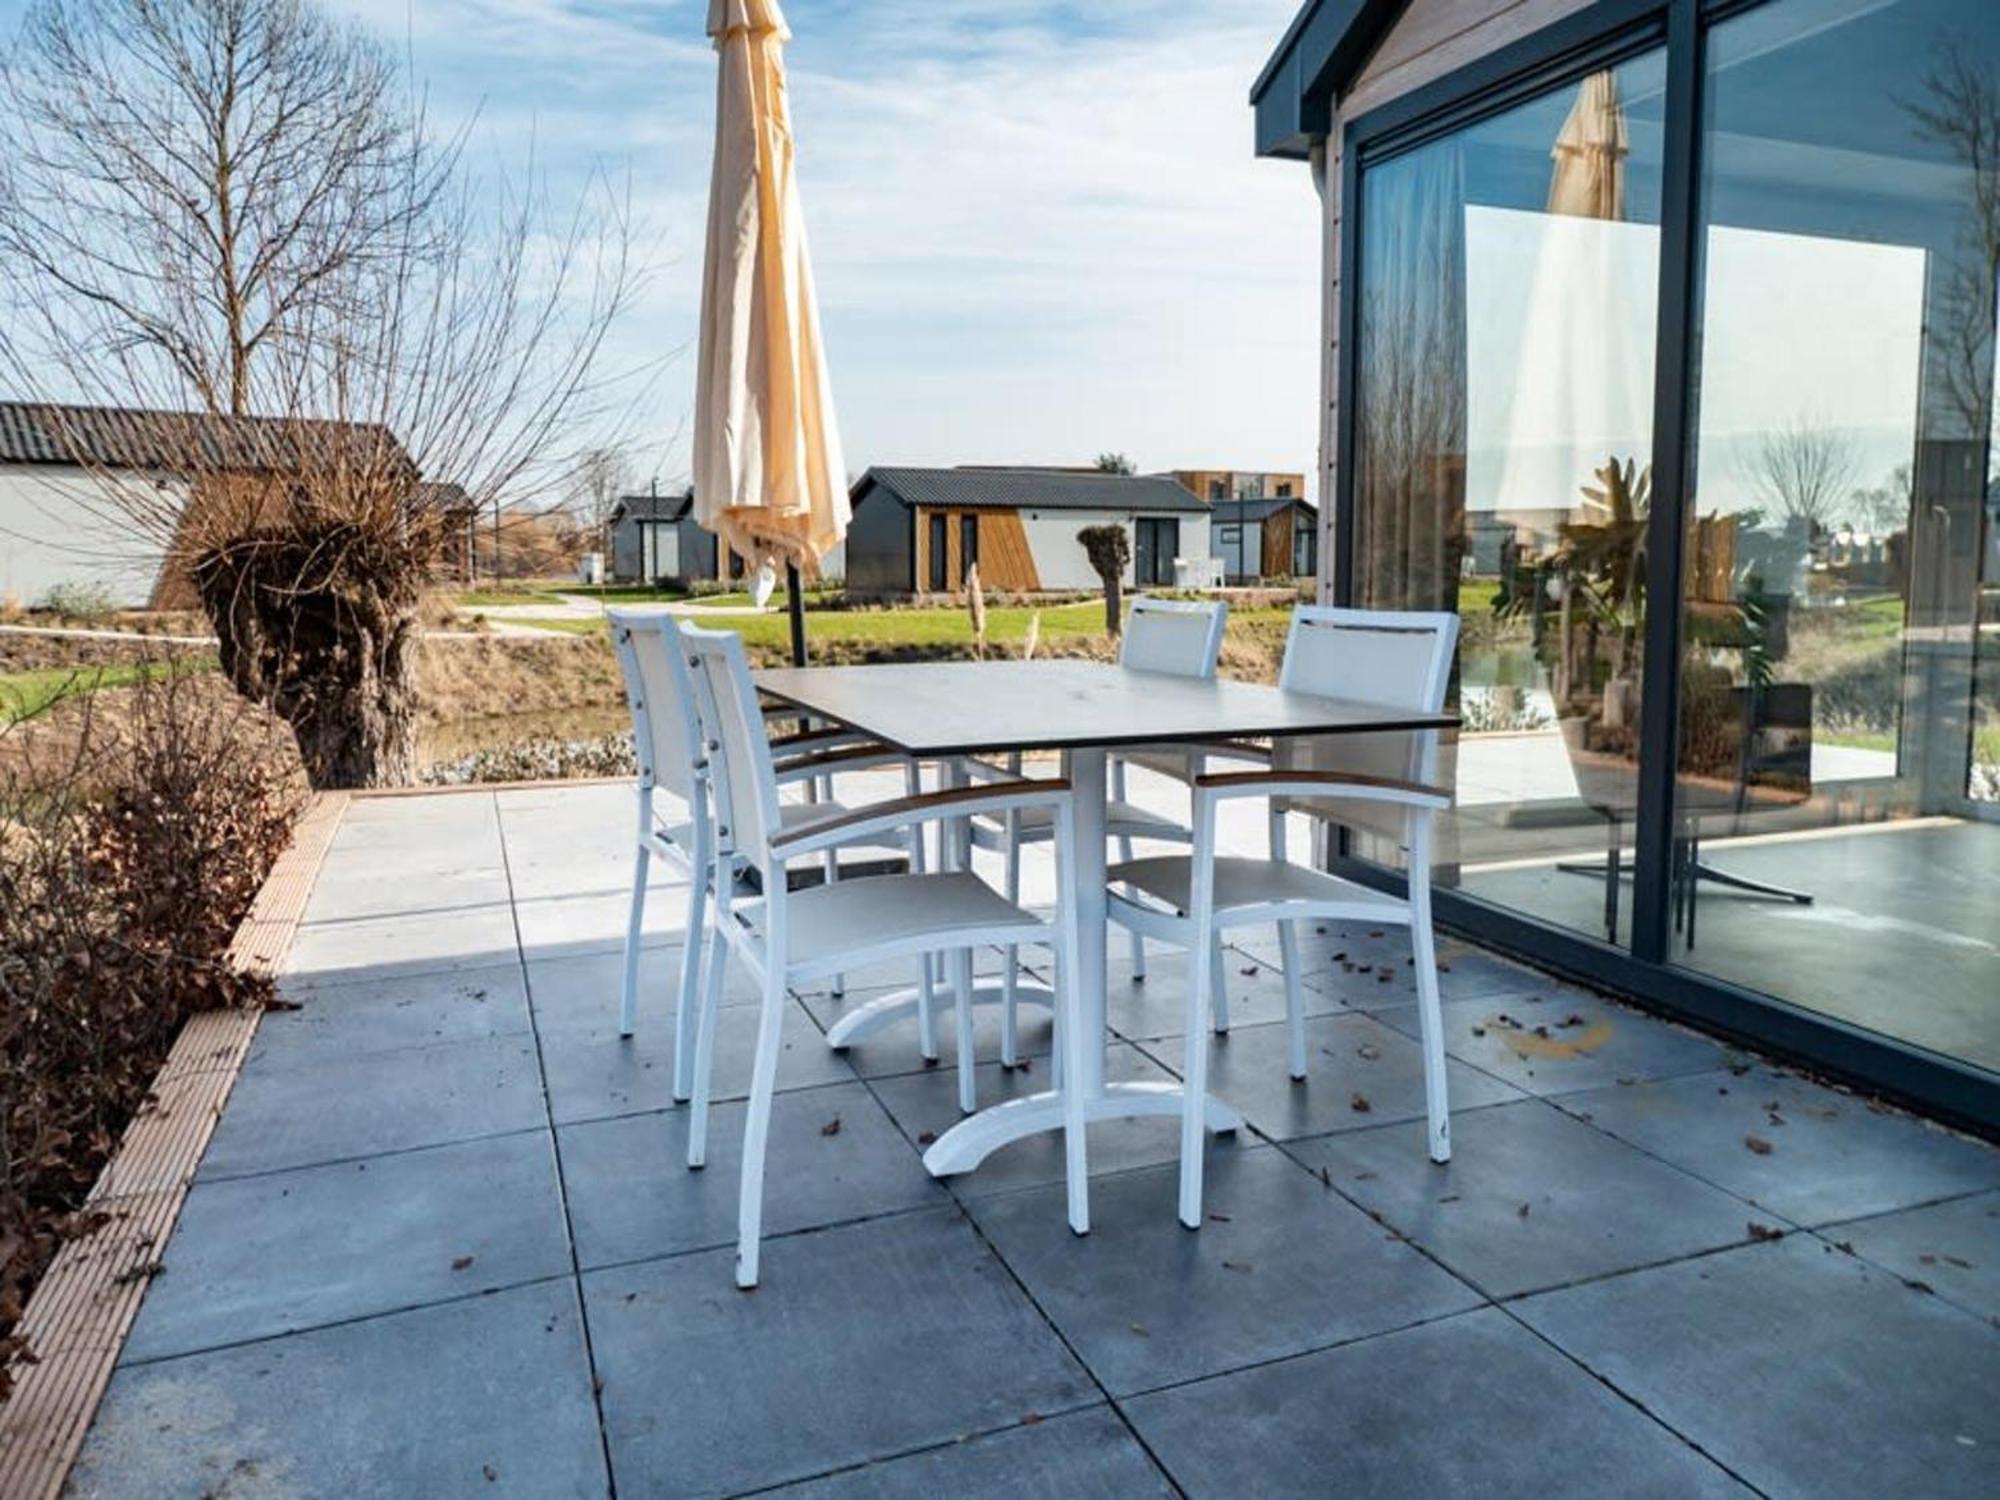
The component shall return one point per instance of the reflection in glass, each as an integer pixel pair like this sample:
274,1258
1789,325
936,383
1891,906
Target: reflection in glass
1835,802
1507,304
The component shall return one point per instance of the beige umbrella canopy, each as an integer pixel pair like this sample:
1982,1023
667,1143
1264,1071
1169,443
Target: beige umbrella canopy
1590,150
768,474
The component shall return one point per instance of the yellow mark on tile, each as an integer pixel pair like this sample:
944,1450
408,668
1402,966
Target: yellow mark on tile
1572,1043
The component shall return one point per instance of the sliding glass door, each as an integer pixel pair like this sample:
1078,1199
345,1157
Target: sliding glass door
1502,466
1838,746
1777,237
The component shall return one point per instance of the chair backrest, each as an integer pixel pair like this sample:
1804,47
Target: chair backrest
739,749
660,694
1180,636
1396,659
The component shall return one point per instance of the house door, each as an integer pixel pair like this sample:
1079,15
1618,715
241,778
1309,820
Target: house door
940,560
1156,543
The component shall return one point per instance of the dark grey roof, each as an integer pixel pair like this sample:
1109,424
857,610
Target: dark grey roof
653,507
1030,489
117,437
1323,49
1232,512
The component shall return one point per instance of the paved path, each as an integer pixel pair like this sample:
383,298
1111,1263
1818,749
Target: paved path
443,1243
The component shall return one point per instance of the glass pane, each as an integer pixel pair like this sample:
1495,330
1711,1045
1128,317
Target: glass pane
1834,799
1508,297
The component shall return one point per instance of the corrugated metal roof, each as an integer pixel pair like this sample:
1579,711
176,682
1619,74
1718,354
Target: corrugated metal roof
1234,512
653,507
1031,489
116,437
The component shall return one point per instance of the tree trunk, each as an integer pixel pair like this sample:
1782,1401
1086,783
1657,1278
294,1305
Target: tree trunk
1114,600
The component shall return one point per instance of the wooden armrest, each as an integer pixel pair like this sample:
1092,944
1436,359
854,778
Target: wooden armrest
845,758
959,801
1333,782
805,739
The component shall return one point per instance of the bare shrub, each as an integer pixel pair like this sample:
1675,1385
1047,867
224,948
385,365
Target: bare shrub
128,855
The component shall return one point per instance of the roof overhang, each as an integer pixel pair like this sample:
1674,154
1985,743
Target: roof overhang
1317,58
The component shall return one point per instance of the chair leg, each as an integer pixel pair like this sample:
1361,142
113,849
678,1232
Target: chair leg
1430,1010
961,1014
913,780
687,1001
1194,1078
702,1081
1070,1038
1010,1025
757,1125
628,998
1125,857
1295,999
1218,987
838,985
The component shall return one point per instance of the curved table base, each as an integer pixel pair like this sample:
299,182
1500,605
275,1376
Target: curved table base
976,1137
901,1005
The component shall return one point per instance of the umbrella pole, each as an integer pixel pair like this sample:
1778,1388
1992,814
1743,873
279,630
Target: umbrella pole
796,607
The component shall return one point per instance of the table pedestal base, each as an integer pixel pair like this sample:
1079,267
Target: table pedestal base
901,1005
976,1137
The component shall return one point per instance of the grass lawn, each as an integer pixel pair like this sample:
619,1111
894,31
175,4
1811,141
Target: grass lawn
25,694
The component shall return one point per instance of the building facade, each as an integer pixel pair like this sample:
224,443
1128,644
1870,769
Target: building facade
917,531
1632,311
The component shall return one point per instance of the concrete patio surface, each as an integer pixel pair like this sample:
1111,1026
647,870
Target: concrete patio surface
443,1242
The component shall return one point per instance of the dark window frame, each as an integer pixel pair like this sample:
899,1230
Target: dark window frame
1563,52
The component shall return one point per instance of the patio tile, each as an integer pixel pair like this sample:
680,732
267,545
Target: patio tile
594,1073
901,973
394,947
1559,1040
1832,1157
1592,1204
388,1101
385,1015
1281,1266
272,1254
1079,1453
554,927
925,1105
1953,1247
863,1342
1349,1058
487,1396
583,989
1806,1371
1157,1007
631,1195
351,889
1323,946
1470,1405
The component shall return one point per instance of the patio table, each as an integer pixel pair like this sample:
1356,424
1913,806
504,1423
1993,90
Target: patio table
942,710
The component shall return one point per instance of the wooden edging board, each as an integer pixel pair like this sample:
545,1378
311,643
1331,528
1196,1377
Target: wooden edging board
81,1310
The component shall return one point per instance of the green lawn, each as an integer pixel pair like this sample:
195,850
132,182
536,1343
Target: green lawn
25,694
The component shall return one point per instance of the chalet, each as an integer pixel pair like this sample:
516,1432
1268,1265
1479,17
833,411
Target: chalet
918,530
1274,538
656,539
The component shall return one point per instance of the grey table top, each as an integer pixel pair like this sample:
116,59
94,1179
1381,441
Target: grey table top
960,707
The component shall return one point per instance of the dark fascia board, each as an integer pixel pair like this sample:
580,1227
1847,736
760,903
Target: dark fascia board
1320,53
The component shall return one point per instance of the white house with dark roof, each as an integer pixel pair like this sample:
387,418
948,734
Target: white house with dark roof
918,530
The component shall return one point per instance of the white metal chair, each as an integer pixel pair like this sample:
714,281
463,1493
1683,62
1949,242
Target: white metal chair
1380,783
793,937
1177,637
672,760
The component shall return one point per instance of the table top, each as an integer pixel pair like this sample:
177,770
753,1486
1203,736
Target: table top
963,707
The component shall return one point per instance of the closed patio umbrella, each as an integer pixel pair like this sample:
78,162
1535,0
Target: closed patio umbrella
769,478
1589,154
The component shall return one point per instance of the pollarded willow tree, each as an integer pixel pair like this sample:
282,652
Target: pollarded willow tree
326,344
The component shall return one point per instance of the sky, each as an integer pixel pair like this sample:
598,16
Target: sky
1038,228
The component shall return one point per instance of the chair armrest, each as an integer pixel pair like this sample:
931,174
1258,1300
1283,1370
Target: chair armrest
1351,785
927,807
857,757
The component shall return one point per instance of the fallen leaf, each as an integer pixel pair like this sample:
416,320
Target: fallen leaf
1479,1031
831,1127
1142,1330
1845,1247
1762,1232
927,1138
1242,1266
1521,1212
1219,1218
1450,1198
460,1262
1359,1104
1757,1144
1920,1286
1368,1052
1953,1260
492,1474
1029,1419
1249,973
1325,1177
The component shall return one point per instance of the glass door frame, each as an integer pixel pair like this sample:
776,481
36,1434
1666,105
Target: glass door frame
1563,52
